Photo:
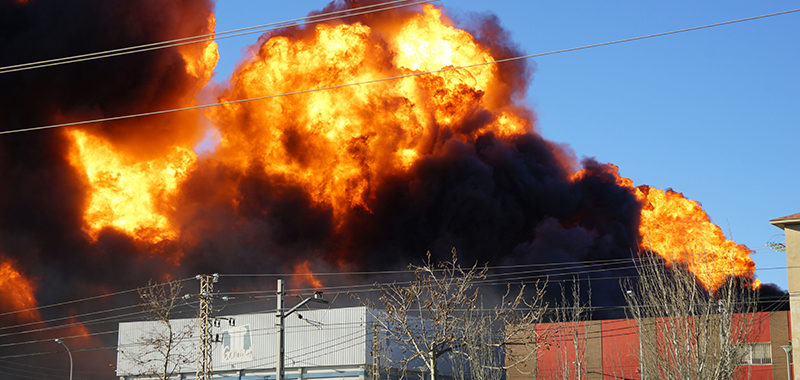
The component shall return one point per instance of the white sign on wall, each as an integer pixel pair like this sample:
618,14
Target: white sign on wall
237,344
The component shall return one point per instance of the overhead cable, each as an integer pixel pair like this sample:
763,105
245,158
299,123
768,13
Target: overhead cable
392,78
329,16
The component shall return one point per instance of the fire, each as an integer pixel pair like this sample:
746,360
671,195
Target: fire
305,276
18,291
338,144
131,196
680,231
201,59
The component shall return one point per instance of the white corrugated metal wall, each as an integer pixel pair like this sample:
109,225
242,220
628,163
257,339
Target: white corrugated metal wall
327,338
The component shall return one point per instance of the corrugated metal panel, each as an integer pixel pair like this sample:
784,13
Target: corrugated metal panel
137,353
327,337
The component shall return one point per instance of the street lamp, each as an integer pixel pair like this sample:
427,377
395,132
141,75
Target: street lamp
61,342
280,316
788,349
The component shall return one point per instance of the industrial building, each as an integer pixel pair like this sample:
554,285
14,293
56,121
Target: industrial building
346,344
330,344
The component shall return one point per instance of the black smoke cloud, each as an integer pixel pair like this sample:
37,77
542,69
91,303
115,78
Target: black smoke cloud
41,195
498,201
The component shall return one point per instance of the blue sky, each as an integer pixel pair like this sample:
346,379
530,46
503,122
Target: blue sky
714,114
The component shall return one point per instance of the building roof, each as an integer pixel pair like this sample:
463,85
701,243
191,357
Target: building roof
788,219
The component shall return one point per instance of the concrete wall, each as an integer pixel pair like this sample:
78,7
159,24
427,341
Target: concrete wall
779,336
792,232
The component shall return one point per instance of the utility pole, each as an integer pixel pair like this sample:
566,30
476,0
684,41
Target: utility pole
204,349
376,351
279,324
280,316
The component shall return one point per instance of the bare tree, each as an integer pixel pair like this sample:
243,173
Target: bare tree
440,314
685,330
161,352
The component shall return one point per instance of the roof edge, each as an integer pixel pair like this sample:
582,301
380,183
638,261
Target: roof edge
786,220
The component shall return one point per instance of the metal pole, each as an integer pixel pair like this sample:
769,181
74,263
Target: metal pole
279,324
61,342
204,357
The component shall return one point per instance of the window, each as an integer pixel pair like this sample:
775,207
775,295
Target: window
757,353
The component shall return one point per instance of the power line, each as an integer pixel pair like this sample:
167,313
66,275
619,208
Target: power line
61,337
402,271
772,308
210,36
68,317
561,265
90,298
608,261
564,264
379,80
526,276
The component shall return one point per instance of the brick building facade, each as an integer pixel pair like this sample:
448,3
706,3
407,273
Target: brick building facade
612,350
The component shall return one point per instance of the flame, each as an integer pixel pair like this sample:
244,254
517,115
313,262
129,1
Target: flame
680,231
305,276
337,144
201,58
131,196
18,291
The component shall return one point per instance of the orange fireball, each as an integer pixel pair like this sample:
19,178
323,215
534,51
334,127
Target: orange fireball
131,196
338,143
678,230
18,291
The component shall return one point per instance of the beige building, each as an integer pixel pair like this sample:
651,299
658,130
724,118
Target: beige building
791,226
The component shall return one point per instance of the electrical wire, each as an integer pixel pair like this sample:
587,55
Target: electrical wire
563,266
523,277
373,273
392,78
340,14
277,275
90,298
766,315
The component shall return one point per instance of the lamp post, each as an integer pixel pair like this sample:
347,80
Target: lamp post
788,349
280,316
61,342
